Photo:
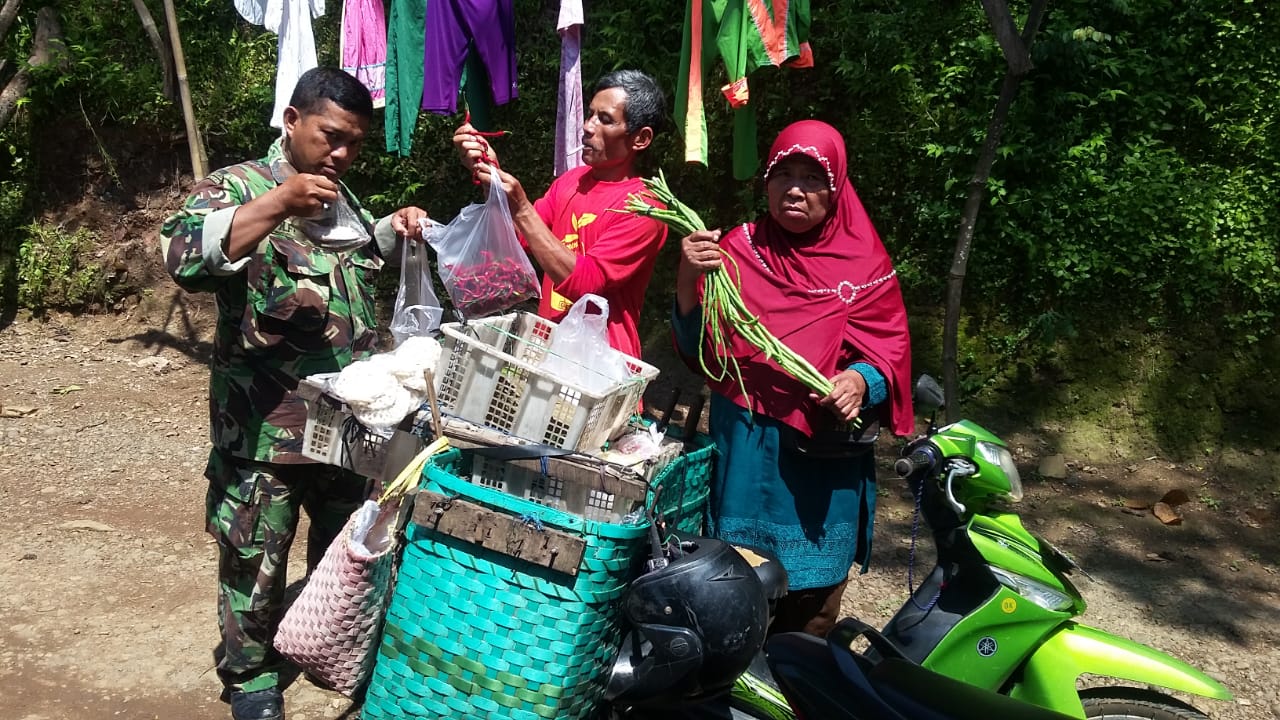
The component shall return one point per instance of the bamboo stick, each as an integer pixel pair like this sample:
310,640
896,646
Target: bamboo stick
198,162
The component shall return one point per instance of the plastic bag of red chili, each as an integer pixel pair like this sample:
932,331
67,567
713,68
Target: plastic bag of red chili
481,263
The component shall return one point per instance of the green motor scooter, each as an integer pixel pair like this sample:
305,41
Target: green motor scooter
998,610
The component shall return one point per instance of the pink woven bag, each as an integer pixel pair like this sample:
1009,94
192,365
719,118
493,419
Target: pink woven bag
332,627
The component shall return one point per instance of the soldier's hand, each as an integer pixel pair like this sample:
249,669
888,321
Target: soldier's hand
408,222
307,195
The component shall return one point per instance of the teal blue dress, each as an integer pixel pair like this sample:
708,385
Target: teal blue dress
816,515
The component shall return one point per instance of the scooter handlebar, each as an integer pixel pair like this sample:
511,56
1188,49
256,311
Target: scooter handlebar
917,460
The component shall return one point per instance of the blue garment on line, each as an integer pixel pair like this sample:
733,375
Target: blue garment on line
816,515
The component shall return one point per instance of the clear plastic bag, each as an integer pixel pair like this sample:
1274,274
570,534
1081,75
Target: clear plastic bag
418,312
579,352
338,227
483,267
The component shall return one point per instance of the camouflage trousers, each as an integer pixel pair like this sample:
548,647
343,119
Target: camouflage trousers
252,510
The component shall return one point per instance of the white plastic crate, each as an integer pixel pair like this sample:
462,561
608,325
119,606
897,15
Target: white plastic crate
489,374
333,436
573,484
583,485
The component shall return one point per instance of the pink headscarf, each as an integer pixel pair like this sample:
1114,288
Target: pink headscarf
831,295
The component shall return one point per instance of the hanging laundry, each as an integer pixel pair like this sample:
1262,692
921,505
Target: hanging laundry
363,45
405,48
477,99
290,20
568,151
746,35
451,26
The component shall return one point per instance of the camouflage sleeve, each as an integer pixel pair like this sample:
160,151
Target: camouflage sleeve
388,242
191,239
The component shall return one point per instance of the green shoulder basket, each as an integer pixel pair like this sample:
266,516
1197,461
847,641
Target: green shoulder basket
503,608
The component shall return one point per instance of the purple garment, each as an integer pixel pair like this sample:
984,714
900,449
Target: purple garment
569,96
450,26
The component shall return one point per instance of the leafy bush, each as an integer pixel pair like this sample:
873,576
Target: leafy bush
14,207
55,269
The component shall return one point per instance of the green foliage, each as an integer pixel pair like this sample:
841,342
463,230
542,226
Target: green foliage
1135,180
114,75
12,195
1139,172
15,178
231,66
55,269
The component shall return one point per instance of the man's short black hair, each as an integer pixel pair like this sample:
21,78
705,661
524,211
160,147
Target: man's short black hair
646,105
330,83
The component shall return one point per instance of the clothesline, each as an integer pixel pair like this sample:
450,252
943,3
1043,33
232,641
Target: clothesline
420,58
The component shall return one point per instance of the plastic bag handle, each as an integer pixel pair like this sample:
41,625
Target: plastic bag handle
579,307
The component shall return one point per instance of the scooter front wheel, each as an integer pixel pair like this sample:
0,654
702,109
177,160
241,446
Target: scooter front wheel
1122,703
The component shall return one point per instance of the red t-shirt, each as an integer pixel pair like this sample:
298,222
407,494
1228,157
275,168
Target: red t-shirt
616,250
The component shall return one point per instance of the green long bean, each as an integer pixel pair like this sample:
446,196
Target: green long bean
722,305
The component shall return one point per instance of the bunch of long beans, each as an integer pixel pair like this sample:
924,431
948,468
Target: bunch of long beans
722,305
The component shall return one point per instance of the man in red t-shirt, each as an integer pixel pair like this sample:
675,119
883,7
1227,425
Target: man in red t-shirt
571,232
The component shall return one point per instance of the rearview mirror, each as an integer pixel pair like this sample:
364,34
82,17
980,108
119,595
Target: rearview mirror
929,396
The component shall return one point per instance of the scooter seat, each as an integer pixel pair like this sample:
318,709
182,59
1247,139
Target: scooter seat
834,683
905,684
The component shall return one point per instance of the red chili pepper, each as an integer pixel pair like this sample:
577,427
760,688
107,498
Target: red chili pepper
490,286
482,134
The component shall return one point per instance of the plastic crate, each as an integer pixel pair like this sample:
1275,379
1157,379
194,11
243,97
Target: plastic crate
474,631
583,487
333,436
489,374
678,479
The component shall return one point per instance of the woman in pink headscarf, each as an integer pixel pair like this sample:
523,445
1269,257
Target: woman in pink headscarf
814,271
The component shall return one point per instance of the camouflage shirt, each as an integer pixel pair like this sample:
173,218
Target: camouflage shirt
287,310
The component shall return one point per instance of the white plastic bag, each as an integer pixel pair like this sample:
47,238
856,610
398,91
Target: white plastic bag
417,311
483,267
579,352
371,533
383,388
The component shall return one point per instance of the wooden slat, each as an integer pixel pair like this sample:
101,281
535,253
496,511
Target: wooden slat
499,532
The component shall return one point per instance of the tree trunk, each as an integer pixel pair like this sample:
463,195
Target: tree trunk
978,189
47,48
161,47
8,12
1016,52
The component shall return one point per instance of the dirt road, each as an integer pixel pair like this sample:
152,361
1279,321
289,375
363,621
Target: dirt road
107,609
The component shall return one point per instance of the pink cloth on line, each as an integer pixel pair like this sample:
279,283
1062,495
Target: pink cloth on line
363,46
568,148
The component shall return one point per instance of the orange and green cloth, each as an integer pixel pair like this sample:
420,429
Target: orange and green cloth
746,35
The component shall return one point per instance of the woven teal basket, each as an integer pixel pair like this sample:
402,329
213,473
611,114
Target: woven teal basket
495,614
683,487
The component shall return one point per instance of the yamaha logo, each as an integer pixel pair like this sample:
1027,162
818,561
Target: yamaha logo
987,646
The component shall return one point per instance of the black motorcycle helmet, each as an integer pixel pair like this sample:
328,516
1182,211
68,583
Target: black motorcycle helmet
694,627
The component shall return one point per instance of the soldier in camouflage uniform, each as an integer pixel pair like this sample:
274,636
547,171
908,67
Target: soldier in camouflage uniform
289,306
